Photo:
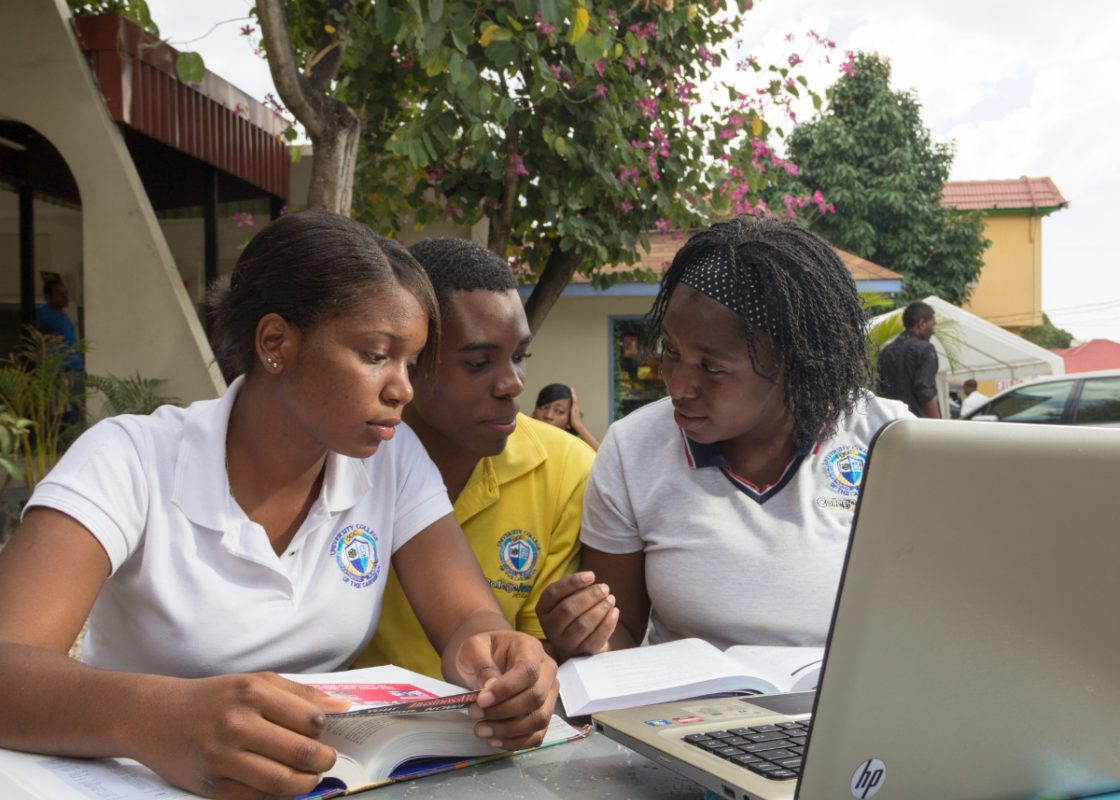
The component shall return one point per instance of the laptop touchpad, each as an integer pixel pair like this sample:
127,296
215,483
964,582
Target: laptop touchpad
789,704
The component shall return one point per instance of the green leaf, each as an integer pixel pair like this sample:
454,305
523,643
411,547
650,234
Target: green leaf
290,133
435,10
296,154
803,81
561,145
579,26
589,49
457,39
190,67
503,54
525,8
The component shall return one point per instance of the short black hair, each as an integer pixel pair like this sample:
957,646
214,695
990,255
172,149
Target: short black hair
460,265
50,283
815,318
915,313
308,267
970,383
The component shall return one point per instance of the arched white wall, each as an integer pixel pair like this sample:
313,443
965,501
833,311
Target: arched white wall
137,312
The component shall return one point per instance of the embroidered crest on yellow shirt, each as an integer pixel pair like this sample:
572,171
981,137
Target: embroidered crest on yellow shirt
518,554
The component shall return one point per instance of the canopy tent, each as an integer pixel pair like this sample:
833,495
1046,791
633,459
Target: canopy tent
971,347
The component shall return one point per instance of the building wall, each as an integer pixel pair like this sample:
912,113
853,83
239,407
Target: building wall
573,347
136,309
1008,292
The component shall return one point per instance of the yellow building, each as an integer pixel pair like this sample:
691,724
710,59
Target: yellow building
1008,292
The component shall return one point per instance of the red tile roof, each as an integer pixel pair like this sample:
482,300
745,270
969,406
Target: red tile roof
662,248
1024,193
1091,356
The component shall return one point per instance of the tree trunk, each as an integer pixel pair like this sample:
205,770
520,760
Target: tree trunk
502,223
333,126
558,271
335,157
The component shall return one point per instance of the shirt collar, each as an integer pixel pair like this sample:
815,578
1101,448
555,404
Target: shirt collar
201,481
700,456
524,452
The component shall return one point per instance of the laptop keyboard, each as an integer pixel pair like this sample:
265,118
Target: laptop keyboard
773,751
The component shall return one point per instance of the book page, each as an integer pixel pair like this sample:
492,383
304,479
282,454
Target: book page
791,669
110,779
653,668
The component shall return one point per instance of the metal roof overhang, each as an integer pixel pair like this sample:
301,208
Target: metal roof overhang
173,129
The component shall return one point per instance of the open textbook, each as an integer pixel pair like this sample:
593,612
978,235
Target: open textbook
374,748
664,673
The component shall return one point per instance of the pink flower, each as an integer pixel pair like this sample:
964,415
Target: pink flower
727,133
435,176
555,69
794,60
648,105
516,166
600,66
625,206
628,174
243,218
248,30
663,225
600,90
543,27
735,121
849,66
789,37
818,197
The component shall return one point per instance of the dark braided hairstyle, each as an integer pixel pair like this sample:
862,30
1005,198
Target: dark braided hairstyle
810,310
461,265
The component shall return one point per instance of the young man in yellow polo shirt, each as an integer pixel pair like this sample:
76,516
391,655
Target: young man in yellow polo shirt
516,483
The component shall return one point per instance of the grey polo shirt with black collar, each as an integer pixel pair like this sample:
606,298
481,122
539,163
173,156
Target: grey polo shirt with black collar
725,560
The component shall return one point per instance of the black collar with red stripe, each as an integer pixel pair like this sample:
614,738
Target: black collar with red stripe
701,456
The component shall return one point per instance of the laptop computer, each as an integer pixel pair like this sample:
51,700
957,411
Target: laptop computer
974,650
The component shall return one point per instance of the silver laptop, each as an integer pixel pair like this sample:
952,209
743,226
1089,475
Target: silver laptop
975,646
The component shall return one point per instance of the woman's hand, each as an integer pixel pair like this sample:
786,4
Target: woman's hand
578,616
238,736
575,422
518,686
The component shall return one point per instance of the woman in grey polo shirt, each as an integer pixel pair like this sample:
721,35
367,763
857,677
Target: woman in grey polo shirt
723,511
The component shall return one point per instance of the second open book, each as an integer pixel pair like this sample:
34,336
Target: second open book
664,673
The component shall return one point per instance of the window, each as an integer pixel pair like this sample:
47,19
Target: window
1100,402
636,375
1042,403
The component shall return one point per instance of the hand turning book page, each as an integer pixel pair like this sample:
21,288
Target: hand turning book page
664,673
375,748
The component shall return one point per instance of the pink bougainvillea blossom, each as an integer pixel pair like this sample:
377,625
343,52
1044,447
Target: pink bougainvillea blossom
663,225
628,174
248,30
435,176
794,60
243,218
625,206
849,66
600,90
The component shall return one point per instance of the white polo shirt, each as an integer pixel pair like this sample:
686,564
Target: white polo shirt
196,589
725,560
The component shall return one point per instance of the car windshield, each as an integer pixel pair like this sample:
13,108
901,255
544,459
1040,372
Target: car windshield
1042,403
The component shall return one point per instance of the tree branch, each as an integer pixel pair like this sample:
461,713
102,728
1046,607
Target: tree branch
558,271
502,223
294,89
323,66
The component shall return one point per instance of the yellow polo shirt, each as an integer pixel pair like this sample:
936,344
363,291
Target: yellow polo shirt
521,512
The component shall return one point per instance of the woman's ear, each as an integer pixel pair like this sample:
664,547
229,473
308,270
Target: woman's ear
277,343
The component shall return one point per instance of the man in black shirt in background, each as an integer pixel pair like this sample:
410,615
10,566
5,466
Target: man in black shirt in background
908,365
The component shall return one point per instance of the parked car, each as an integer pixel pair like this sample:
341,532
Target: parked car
1085,398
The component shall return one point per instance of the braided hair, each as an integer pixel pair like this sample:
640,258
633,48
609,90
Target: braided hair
790,285
461,265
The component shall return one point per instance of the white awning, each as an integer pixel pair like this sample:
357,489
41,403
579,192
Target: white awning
971,347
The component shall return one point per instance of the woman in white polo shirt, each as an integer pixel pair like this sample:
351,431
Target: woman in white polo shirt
723,511
254,533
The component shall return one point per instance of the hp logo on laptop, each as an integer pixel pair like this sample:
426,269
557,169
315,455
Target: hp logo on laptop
868,778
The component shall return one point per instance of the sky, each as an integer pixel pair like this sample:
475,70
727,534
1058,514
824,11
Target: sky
1023,87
